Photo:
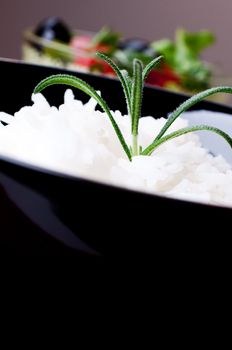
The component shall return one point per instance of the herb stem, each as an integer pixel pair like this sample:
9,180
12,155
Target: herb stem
135,148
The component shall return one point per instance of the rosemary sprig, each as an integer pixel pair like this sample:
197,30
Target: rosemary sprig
148,151
151,66
133,91
123,77
191,102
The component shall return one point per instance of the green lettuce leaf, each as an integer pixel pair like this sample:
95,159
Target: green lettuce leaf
183,55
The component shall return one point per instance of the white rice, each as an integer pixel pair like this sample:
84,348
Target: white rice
76,139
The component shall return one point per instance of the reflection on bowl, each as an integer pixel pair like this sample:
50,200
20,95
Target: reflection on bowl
64,215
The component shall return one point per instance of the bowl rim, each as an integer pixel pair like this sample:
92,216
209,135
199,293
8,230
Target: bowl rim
107,77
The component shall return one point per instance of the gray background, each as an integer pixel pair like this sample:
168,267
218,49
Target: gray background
151,19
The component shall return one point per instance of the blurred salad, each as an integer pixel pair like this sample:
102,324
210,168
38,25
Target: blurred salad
182,68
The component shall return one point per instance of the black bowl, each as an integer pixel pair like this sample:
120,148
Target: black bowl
46,213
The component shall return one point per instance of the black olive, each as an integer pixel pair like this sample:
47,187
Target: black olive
134,44
52,28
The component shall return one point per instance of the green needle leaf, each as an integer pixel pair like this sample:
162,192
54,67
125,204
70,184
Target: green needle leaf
189,103
151,66
136,95
124,81
127,79
83,86
183,131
